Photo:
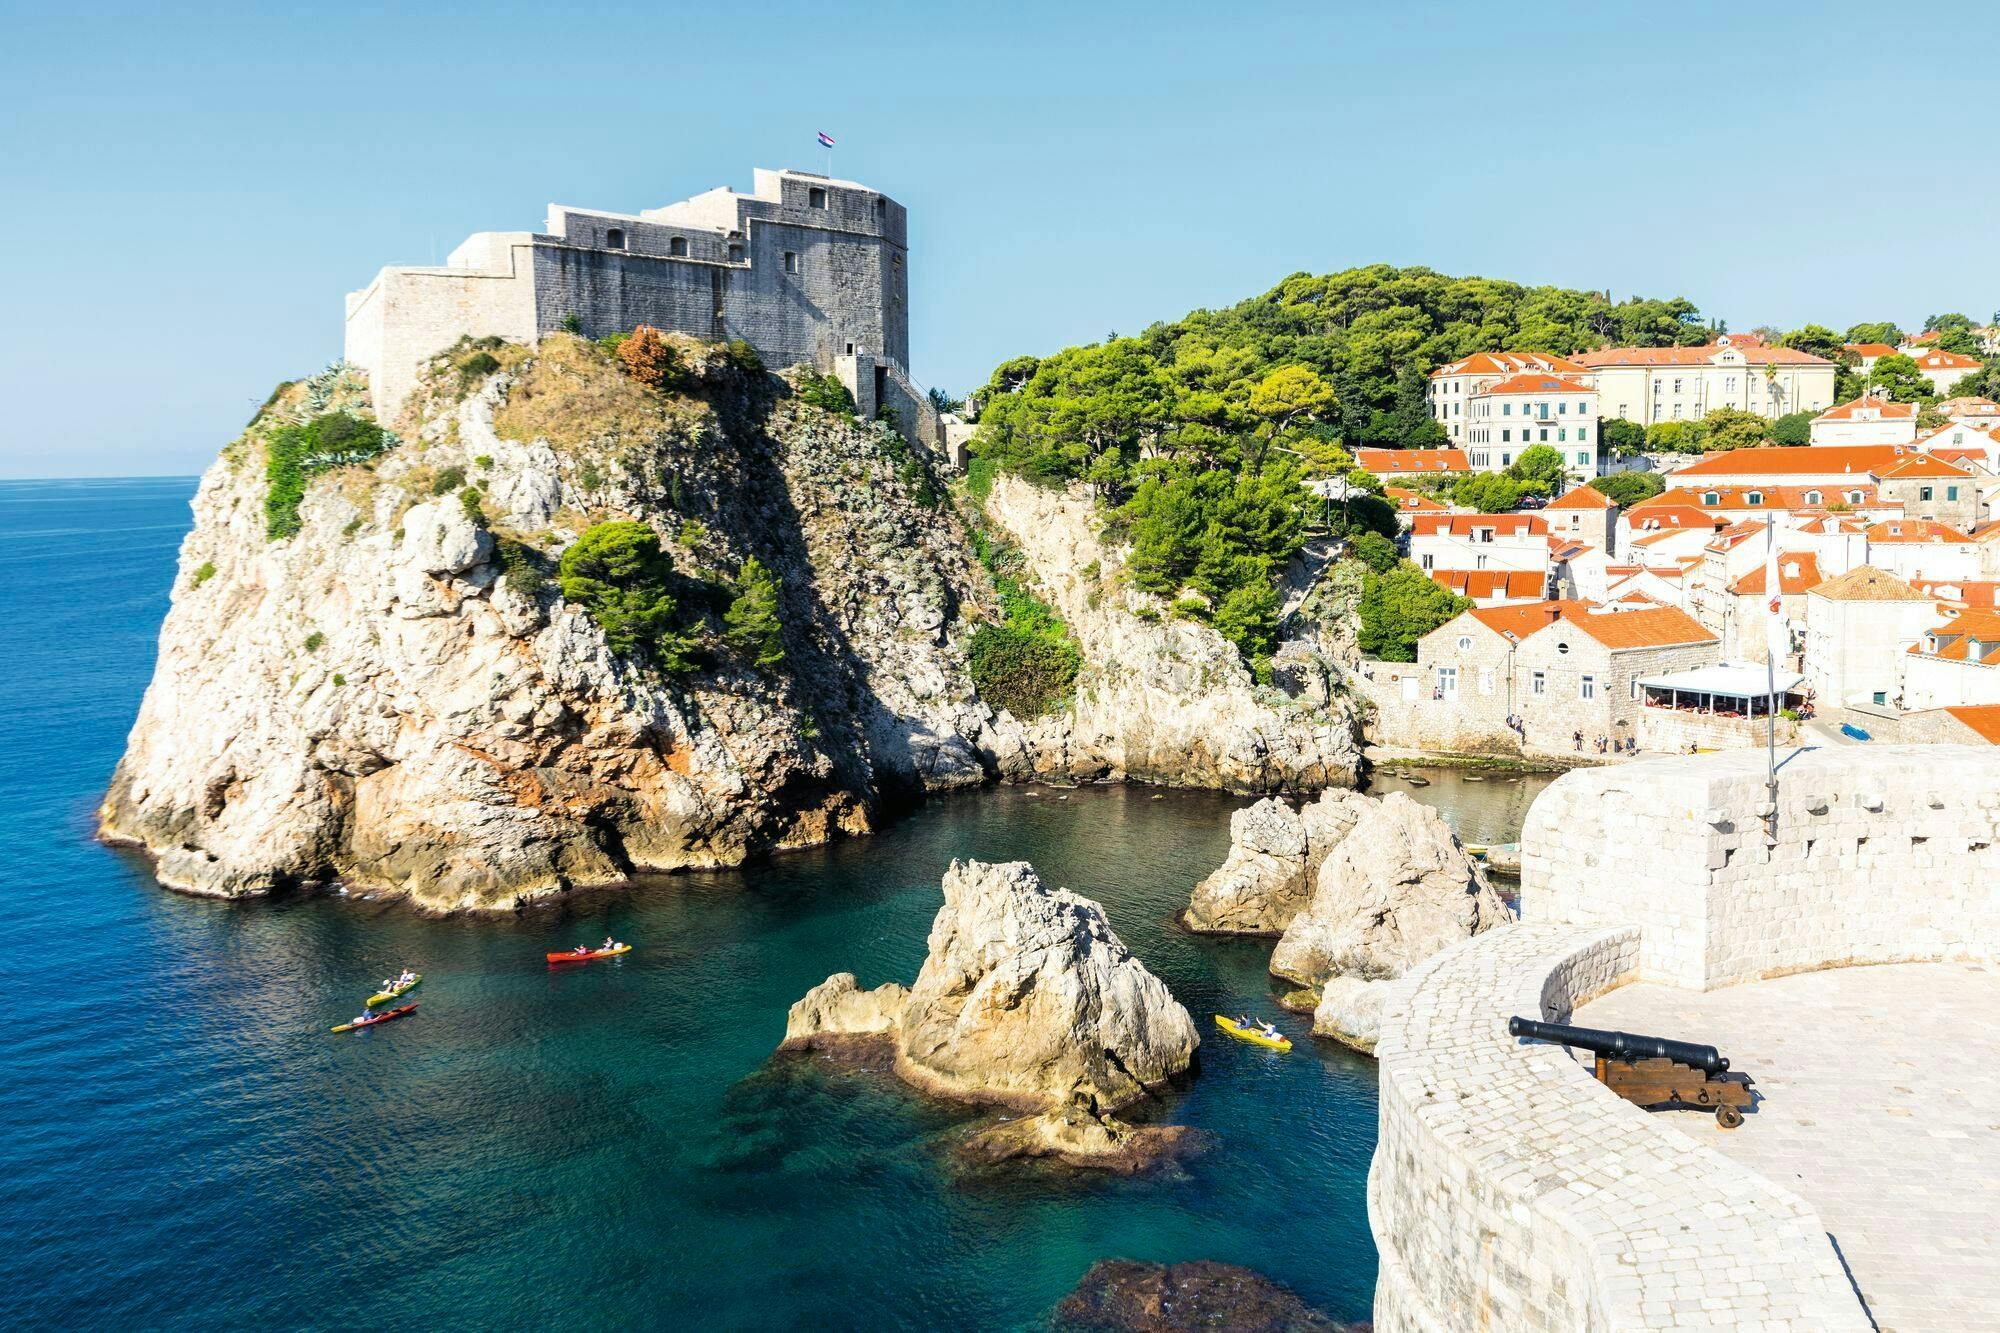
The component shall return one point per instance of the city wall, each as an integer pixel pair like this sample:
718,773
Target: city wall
1511,1190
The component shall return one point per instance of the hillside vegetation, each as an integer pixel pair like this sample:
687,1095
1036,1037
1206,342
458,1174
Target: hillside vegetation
1195,435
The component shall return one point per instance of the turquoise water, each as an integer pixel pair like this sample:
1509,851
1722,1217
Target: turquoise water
609,1146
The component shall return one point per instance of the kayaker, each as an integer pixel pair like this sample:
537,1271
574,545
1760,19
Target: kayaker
610,943
387,984
1270,1031
407,977
360,1019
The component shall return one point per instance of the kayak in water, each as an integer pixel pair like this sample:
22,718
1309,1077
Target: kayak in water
1256,1036
399,988
372,1019
585,955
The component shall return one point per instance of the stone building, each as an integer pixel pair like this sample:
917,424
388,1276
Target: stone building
1955,662
1559,667
1655,384
806,269
1587,515
1858,628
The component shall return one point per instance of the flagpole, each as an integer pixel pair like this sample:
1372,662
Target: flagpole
1775,594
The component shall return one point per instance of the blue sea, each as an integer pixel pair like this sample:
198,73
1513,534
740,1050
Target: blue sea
186,1146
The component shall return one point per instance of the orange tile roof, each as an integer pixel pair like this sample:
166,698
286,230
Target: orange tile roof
1394,461
1924,465
1984,719
1887,409
1503,525
1507,363
1731,495
1583,497
1865,583
1970,406
1961,631
1480,584
1870,349
1980,594
1414,501
1915,530
1657,628
1921,339
1797,571
1697,356
1675,515
1939,359
1806,459
1537,383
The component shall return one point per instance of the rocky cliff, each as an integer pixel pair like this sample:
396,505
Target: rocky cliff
395,694
1159,699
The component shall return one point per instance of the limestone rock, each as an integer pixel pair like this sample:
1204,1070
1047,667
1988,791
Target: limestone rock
1398,889
1126,1296
1275,853
1028,997
1350,1011
1073,1137
838,1008
368,700
1159,699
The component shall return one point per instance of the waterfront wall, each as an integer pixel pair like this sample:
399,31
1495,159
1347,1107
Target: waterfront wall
1883,854
1511,1190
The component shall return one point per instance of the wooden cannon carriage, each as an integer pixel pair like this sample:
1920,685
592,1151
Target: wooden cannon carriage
1652,1071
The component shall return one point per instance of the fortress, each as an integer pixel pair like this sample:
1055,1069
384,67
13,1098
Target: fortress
806,269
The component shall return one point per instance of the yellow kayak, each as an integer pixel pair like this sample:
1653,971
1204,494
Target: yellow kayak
1255,1036
384,996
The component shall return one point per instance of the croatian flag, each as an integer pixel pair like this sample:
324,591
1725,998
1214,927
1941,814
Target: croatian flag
825,139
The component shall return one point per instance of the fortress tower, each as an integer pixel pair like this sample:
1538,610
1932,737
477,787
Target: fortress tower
805,269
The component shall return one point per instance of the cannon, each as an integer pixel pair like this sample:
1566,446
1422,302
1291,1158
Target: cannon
1651,1071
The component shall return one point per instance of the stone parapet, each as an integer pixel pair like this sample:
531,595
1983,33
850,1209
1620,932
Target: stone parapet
1511,1190
1882,854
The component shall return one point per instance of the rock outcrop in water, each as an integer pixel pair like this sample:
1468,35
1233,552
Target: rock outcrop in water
1396,890
396,694
1275,853
1026,999
1127,1296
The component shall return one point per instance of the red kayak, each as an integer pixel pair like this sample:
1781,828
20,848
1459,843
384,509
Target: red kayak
589,955
382,1017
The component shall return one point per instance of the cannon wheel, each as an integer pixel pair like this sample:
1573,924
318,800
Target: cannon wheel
1728,1117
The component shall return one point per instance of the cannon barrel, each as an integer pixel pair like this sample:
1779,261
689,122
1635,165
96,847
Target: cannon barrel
1622,1045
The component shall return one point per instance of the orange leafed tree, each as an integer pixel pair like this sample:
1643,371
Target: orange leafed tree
649,358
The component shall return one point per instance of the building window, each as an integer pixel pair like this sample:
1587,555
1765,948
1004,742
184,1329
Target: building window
816,197
1812,497
678,246
1448,682
1486,680
1538,684
1754,498
1427,560
735,252
791,262
1924,493
1854,497
1506,409
615,239
1582,456
1464,643
1586,688
1951,492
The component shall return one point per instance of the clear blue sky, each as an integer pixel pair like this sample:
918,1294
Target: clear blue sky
189,195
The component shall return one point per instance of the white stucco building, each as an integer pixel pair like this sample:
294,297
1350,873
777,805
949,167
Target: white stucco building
1859,626
1508,416
1866,420
1655,384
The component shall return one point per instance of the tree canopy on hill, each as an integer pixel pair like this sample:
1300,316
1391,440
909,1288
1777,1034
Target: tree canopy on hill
1197,431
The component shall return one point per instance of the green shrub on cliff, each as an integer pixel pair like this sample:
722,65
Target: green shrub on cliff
1028,663
295,454
1400,606
753,628
620,574
825,392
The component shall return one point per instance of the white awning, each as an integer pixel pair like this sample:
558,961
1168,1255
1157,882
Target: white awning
1728,680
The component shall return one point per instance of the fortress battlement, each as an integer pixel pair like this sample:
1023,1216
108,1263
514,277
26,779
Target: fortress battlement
805,268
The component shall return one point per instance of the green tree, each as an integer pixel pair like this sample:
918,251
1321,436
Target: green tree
1400,606
1289,396
1792,429
1374,550
1626,489
619,573
1626,437
1880,332
751,625
1247,616
1817,340
1676,437
1733,428
1897,377
1539,470
1488,492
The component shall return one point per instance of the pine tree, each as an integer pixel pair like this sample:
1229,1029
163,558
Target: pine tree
752,619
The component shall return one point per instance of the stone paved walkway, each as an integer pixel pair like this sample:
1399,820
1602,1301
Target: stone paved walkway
1882,1109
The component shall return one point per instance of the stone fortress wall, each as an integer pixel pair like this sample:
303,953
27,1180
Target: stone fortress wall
806,269
1509,1188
